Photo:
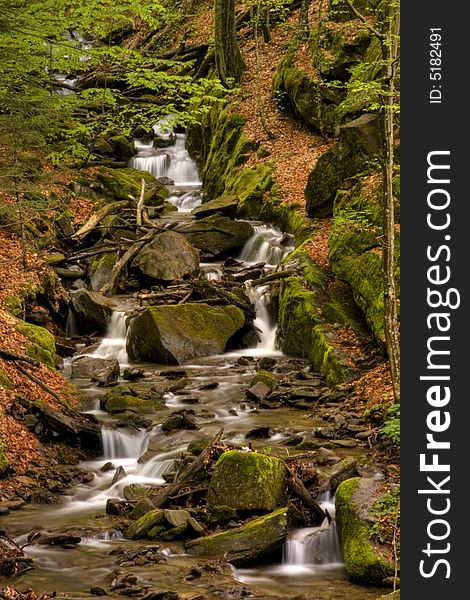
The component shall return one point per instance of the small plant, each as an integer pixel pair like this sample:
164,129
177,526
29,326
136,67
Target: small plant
391,426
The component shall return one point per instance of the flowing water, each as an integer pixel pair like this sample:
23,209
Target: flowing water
312,559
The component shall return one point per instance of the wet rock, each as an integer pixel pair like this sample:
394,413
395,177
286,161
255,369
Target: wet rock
345,469
57,539
161,595
212,385
123,398
304,394
259,433
118,475
293,440
133,373
174,334
197,446
168,257
140,528
225,206
258,392
114,506
92,311
248,481
134,492
325,456
216,235
98,591
104,370
143,506
256,539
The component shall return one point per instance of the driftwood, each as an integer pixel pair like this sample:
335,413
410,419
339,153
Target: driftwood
69,273
173,488
98,249
298,487
140,206
270,277
7,355
98,216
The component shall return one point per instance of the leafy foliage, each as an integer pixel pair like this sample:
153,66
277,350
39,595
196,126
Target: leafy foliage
386,511
391,427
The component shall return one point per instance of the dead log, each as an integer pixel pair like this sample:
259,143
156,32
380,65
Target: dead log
271,277
140,206
69,273
173,488
101,249
298,487
98,216
7,355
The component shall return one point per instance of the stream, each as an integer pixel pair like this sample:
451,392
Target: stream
311,561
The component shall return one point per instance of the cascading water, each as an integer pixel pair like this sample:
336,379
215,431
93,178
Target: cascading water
172,162
113,345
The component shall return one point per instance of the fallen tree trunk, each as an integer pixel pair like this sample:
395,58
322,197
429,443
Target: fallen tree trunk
271,277
98,216
7,355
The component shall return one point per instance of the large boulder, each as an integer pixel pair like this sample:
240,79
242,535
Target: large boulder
168,257
123,398
366,562
173,334
92,311
100,270
125,184
217,236
248,481
256,539
104,370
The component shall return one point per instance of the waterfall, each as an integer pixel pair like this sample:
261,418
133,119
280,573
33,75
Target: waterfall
314,546
71,329
119,443
172,162
113,345
267,245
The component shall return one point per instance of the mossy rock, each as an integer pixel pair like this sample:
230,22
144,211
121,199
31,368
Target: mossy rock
365,562
123,148
4,462
92,310
248,481
140,528
124,398
173,334
42,346
255,540
14,305
267,378
100,270
393,596
5,381
122,184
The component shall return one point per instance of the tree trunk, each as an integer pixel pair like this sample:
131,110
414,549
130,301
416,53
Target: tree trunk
392,339
228,58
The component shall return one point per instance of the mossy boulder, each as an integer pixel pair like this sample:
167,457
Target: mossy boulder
267,378
140,528
100,270
168,257
366,563
5,381
248,481
217,236
226,206
173,334
124,398
92,311
123,148
357,144
123,184
310,101
245,545
42,343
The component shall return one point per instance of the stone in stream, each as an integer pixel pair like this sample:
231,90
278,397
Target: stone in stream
123,398
248,481
258,392
172,334
216,235
256,539
92,311
225,206
168,257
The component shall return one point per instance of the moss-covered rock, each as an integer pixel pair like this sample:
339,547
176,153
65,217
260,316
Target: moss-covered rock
140,528
365,562
100,270
172,334
226,206
4,463
124,398
267,378
5,381
123,148
310,101
258,538
248,481
122,184
42,346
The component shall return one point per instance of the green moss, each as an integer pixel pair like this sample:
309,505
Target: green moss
5,381
140,528
4,463
42,346
14,305
364,564
122,404
265,377
247,481
122,184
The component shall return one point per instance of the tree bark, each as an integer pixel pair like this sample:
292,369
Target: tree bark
228,58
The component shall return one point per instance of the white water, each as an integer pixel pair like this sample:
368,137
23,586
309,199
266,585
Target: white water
173,162
113,345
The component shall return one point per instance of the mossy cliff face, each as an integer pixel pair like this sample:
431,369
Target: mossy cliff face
248,481
173,334
42,343
304,329
355,250
365,563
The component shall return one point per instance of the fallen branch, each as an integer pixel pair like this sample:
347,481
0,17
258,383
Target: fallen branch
298,487
140,206
270,277
173,488
7,355
98,216
40,383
